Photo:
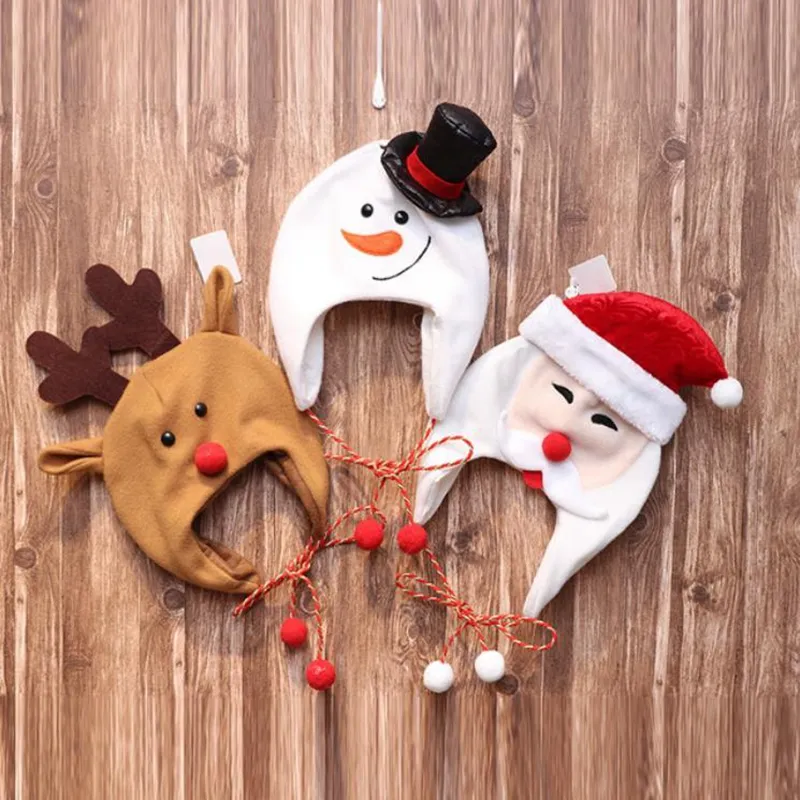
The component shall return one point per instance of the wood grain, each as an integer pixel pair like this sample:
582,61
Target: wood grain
663,134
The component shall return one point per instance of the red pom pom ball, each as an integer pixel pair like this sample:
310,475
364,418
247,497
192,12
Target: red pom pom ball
412,538
369,534
320,674
556,447
210,458
293,632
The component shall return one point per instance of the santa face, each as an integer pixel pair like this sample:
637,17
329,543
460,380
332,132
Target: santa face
603,445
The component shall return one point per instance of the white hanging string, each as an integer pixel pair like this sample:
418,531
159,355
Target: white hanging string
378,89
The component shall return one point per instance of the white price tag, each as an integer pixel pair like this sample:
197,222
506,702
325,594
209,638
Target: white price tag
214,250
592,277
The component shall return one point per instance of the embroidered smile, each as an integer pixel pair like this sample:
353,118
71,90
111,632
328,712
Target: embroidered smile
386,243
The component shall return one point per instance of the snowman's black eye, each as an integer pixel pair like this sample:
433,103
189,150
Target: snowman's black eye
201,409
602,419
401,217
366,210
168,438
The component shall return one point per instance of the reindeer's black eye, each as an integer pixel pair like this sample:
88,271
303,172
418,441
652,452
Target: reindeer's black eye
168,438
603,419
564,392
401,217
201,409
366,210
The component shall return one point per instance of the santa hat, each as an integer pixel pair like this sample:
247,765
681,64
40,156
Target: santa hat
634,352
389,221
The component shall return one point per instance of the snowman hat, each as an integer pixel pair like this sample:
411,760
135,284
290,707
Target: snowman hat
362,230
431,169
634,352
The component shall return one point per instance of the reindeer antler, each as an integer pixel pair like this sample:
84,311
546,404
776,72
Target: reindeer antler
135,308
74,375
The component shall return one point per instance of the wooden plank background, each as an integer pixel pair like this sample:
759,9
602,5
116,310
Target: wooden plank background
663,133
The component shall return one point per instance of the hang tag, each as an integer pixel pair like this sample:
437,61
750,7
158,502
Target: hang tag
214,250
591,277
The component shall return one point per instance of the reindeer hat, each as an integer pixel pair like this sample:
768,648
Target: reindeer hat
182,426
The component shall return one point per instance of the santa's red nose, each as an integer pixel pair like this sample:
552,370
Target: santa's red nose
210,458
556,447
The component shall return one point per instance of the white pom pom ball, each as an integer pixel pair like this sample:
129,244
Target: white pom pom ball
438,677
727,393
490,666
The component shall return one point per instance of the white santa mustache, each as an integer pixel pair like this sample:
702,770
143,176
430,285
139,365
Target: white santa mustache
561,481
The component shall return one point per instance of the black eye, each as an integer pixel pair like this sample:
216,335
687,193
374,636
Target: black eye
401,217
201,409
366,210
168,438
564,392
602,419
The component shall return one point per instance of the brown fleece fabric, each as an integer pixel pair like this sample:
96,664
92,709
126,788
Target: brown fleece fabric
156,490
75,374
136,310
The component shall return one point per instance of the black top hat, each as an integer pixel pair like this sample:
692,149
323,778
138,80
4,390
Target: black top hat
431,169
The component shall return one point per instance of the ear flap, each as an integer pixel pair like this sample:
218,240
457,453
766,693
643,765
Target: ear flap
80,455
479,400
219,313
308,481
298,461
448,342
201,562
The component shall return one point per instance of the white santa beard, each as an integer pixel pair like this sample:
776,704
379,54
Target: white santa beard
561,481
576,541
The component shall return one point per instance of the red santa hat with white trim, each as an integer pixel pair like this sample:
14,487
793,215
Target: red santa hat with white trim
634,352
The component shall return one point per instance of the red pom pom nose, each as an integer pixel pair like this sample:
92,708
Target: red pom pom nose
293,632
412,538
556,447
320,674
210,458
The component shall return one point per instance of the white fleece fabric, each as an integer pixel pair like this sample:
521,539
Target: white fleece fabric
576,540
441,266
481,398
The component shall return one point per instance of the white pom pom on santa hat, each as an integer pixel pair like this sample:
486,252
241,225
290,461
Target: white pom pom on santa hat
727,393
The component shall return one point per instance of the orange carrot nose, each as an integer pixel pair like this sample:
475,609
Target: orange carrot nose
376,244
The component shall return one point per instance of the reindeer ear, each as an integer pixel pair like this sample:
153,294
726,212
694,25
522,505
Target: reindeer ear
219,314
80,455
